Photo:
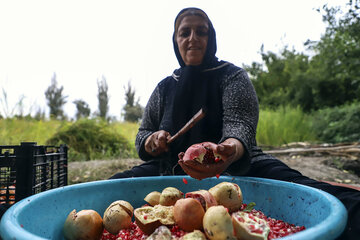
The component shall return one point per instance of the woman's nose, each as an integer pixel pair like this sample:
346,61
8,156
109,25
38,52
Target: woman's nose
193,36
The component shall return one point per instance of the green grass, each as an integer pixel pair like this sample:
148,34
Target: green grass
275,127
127,129
14,131
284,125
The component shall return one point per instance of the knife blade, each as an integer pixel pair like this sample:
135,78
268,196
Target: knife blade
196,118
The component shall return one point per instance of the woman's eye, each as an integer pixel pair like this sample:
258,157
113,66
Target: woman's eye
201,33
184,34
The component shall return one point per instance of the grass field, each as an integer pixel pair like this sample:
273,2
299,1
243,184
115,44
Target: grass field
275,127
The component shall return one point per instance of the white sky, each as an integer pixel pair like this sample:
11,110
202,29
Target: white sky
83,40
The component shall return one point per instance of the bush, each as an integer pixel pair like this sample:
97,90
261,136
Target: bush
90,139
338,124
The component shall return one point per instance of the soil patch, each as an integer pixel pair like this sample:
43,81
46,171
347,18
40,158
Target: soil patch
319,164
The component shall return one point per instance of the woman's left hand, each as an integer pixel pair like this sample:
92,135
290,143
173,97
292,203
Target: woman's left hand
230,151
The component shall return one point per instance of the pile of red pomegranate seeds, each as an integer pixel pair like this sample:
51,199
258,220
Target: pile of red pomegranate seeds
278,228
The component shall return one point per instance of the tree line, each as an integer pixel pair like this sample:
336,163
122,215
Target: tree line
328,78
56,100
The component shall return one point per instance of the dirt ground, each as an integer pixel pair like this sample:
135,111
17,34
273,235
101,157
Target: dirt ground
317,167
322,167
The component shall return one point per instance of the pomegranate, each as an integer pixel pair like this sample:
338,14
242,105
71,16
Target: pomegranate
153,198
188,214
161,233
169,196
149,218
118,216
228,194
10,191
195,235
204,197
249,227
86,224
217,224
201,152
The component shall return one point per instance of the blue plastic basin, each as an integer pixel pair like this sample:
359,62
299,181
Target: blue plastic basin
42,216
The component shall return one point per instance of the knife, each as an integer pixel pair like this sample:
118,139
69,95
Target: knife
197,117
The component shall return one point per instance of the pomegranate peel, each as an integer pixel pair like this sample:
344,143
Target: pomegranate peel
153,198
155,217
205,198
249,227
195,235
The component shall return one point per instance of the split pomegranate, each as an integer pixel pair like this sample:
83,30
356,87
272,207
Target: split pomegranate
278,229
215,214
200,152
204,197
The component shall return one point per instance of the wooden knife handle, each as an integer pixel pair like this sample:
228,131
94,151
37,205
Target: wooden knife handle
197,117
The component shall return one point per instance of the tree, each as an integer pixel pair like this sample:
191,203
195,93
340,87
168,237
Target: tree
327,79
55,99
82,109
132,111
336,65
103,98
282,80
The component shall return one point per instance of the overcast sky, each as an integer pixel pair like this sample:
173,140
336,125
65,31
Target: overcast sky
82,40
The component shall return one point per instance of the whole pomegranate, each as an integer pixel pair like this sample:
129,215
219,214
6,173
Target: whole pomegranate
86,224
118,216
188,214
169,196
217,224
228,194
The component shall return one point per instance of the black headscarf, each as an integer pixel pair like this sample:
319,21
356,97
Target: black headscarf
197,87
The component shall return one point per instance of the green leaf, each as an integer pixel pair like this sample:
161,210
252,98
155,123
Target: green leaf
249,207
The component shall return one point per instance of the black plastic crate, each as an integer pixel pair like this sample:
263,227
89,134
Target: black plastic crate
28,169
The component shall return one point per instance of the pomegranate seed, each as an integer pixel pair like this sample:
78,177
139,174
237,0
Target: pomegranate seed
217,175
217,159
185,181
145,217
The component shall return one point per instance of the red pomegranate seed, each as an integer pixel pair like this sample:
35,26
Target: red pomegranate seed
185,181
278,228
145,217
217,175
217,159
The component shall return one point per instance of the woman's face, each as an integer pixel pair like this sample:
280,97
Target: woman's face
192,38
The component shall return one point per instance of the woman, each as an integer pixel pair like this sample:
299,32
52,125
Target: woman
229,98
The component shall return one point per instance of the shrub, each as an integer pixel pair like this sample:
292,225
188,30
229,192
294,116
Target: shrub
90,139
338,124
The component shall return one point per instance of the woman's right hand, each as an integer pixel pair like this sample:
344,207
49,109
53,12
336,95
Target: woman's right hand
156,143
